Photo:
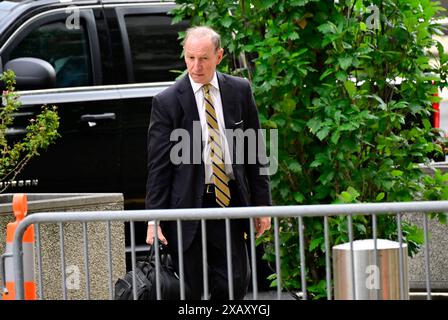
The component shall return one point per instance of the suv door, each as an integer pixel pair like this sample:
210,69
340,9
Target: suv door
152,56
86,157
150,52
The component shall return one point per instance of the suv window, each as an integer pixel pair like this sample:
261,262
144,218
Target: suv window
155,49
71,60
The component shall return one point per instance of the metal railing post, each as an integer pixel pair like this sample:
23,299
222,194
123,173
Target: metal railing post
276,212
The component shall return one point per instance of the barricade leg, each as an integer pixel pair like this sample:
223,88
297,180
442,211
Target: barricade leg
20,208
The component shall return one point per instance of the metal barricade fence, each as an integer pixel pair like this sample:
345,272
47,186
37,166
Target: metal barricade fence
276,212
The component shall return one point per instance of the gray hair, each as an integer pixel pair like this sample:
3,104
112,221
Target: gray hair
204,31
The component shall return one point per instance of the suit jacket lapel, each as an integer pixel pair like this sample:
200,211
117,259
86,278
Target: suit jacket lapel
187,99
188,102
228,100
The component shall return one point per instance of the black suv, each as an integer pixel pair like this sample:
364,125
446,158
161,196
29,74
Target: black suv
109,58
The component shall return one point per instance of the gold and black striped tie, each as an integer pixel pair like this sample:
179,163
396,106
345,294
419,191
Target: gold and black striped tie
220,178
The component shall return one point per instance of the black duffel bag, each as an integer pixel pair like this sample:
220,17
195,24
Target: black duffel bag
145,276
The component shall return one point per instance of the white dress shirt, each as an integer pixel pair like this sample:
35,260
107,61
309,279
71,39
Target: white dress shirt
217,104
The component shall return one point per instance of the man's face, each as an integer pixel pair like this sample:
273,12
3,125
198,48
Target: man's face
201,58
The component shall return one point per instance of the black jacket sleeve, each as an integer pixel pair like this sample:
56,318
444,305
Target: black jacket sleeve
160,168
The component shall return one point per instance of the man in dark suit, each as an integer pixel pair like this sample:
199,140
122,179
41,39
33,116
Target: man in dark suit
209,103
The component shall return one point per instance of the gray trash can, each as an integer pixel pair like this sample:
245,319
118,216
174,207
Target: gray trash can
383,278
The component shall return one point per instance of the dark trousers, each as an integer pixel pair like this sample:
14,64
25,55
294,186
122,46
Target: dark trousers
217,256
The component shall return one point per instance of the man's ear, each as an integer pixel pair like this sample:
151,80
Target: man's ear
220,54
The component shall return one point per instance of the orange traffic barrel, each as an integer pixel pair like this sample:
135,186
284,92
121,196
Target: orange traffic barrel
20,208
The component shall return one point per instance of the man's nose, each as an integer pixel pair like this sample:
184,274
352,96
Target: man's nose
197,65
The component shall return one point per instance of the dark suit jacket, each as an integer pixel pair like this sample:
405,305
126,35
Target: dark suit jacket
182,185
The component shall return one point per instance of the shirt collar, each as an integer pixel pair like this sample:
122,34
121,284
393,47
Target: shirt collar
197,86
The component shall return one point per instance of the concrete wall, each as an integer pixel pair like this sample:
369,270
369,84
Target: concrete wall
438,256
73,244
438,247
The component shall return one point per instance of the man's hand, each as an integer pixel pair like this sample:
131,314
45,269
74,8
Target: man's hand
150,235
262,224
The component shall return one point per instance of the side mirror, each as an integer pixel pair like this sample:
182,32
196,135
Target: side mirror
32,73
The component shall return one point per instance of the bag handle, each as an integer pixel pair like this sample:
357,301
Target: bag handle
163,253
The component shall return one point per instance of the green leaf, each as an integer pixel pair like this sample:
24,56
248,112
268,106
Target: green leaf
341,76
315,164
387,184
270,124
426,124
443,217
289,105
295,167
335,136
361,228
345,62
176,19
327,27
226,21
323,133
346,197
299,3
397,173
319,160
284,191
326,73
346,45
314,124
293,36
350,87
272,276
315,243
380,196
353,192
362,26
296,125
298,197
445,193
326,177
417,235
